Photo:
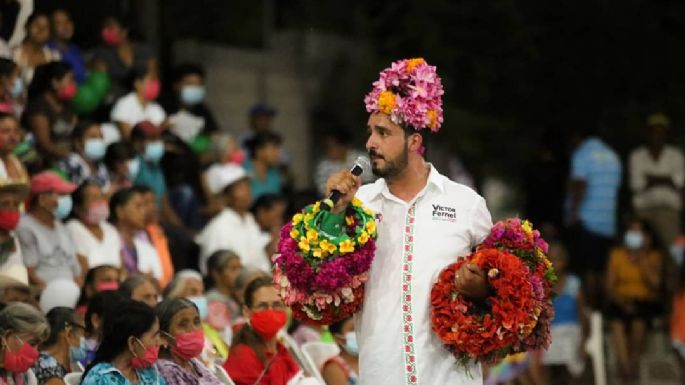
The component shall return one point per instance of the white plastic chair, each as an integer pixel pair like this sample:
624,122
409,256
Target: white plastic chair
317,353
73,378
221,374
307,365
595,348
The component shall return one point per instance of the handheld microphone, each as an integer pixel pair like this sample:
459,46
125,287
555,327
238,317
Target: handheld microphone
360,165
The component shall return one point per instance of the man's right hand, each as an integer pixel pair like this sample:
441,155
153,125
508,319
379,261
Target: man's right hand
347,184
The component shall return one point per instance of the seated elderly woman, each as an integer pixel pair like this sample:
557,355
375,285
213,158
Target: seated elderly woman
22,328
188,284
180,326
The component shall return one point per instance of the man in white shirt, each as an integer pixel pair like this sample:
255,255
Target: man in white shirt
657,177
425,222
234,228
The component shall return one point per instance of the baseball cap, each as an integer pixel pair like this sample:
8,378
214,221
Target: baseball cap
49,181
220,176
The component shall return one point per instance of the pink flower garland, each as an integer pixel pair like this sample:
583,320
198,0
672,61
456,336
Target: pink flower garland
410,91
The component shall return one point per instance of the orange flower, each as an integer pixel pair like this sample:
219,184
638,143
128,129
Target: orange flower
412,63
386,102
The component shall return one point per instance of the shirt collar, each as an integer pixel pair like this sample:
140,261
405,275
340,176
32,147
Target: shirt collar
435,179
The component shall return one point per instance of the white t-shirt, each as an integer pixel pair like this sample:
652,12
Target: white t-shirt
671,163
228,231
416,240
148,259
99,252
129,110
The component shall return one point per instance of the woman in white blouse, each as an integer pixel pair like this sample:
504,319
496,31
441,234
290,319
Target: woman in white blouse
96,241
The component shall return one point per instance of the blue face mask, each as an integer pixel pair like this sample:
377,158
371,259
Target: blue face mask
79,353
17,88
154,151
64,205
133,166
201,303
94,149
633,239
351,346
192,95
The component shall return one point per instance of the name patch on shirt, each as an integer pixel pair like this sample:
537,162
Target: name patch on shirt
444,213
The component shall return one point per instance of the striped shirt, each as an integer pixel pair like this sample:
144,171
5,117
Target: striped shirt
600,167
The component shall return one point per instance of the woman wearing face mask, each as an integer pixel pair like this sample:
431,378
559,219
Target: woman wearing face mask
22,329
98,241
633,286
11,88
46,245
139,105
344,368
189,284
127,214
48,115
63,349
85,163
99,278
129,348
181,328
189,115
256,355
121,55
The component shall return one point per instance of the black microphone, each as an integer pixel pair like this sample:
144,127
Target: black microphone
360,164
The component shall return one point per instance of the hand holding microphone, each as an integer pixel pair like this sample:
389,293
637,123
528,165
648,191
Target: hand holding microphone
342,186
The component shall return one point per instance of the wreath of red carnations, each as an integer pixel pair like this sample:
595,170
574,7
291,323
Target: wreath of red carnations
321,276
517,314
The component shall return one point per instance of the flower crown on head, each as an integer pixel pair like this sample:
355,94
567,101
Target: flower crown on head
410,92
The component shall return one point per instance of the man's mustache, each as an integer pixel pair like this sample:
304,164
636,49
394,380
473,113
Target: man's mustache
373,154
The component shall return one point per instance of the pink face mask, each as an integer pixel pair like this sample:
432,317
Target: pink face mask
111,36
151,89
97,212
107,286
189,345
21,360
148,359
67,92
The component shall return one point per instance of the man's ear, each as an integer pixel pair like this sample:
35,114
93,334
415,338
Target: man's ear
247,313
415,142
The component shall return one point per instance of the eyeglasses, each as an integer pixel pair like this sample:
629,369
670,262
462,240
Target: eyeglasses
276,305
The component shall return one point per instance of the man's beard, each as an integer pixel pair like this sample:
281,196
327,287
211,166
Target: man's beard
393,167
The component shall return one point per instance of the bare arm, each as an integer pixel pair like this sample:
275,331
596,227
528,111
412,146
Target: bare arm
333,374
40,125
34,279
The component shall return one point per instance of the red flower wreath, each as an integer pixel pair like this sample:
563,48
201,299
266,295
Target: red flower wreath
489,330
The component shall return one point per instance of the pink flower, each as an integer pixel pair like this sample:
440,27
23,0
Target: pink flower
418,93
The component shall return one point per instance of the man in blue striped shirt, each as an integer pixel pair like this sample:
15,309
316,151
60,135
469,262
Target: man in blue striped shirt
595,181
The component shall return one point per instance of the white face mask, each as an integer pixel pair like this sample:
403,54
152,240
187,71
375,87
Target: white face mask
351,346
633,239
